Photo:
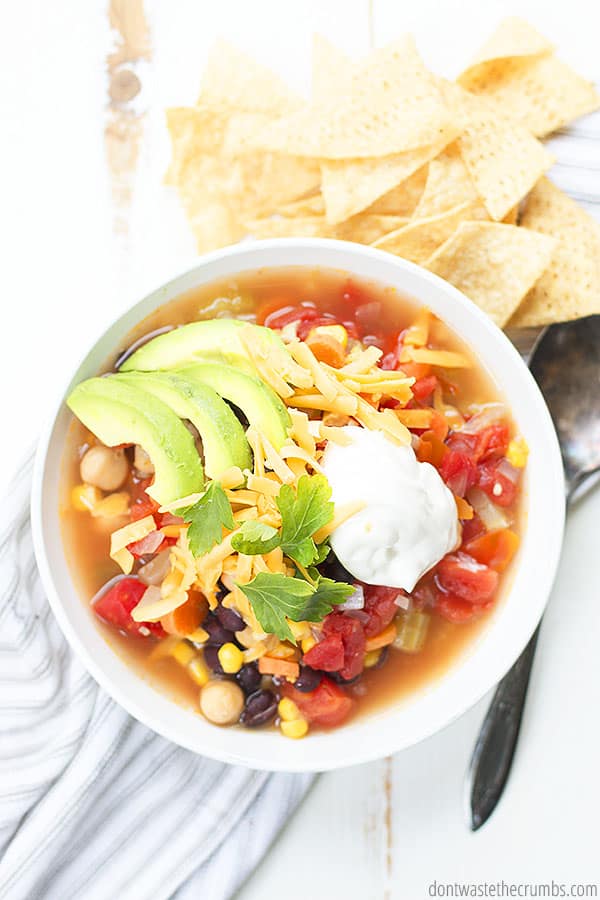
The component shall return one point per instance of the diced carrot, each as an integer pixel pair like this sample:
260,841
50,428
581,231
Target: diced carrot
415,370
416,418
439,425
385,637
464,509
494,548
327,349
187,617
282,668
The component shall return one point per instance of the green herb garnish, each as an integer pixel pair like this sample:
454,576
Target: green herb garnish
275,598
255,538
207,518
302,514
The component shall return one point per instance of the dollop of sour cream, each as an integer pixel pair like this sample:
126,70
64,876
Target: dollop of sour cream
409,520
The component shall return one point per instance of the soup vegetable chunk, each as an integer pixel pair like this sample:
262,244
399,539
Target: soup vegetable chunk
299,499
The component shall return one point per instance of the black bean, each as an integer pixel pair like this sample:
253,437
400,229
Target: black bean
217,635
335,676
249,678
229,619
332,568
261,707
211,658
308,679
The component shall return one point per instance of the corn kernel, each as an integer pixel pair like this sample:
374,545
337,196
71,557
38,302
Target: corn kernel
199,636
371,658
517,453
85,496
231,658
307,644
335,331
199,671
288,710
112,506
183,652
295,729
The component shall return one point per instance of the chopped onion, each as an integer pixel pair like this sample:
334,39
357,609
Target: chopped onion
488,415
403,601
488,512
359,614
106,588
509,471
354,601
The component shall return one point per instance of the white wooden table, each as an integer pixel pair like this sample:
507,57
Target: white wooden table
87,227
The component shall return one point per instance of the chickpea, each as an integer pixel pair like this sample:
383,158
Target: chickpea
104,467
142,462
222,702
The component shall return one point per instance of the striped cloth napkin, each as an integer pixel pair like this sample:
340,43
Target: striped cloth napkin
92,803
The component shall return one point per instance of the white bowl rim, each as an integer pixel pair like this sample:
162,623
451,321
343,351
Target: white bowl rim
426,711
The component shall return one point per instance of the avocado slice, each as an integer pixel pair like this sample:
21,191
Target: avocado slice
223,437
259,403
119,413
216,338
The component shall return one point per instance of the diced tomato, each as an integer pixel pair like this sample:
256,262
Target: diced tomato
461,575
342,648
497,486
380,606
163,519
424,387
413,369
328,705
472,529
493,442
456,610
327,655
142,504
494,549
459,472
352,634
115,607
281,317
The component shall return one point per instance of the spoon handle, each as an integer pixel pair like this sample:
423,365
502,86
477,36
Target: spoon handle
495,747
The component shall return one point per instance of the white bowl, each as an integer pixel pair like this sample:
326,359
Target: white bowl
485,661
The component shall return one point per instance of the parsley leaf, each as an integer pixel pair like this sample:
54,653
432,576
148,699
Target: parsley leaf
277,597
302,514
255,538
207,518
322,553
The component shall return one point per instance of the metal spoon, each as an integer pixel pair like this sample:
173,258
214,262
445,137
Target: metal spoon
565,362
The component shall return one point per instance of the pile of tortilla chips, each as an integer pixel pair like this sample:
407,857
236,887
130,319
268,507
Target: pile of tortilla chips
447,174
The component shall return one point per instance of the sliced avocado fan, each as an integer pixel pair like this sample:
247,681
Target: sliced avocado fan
120,413
223,438
259,403
216,339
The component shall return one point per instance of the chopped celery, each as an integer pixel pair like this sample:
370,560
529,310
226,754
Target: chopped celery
412,631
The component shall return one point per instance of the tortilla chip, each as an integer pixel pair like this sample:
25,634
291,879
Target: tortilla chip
513,39
542,94
402,200
448,185
300,226
512,216
570,287
352,185
366,228
392,104
234,81
503,159
307,206
418,239
331,69
362,229
495,265
193,131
